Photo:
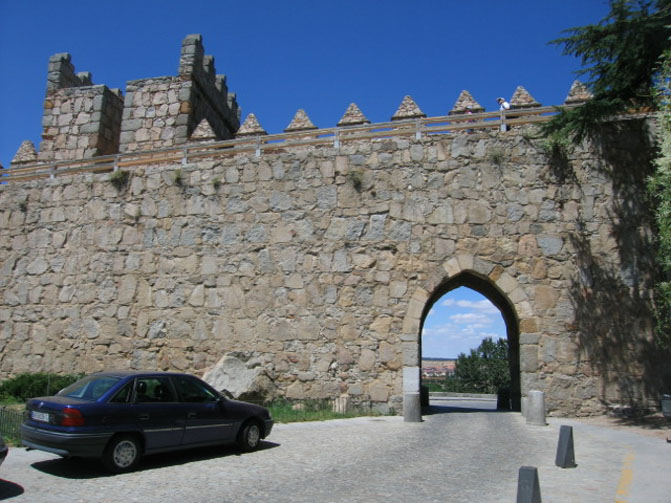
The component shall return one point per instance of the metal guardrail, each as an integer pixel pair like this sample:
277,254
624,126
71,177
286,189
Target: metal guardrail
10,423
270,143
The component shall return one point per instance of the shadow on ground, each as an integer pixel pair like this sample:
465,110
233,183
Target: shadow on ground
648,422
78,468
9,490
448,407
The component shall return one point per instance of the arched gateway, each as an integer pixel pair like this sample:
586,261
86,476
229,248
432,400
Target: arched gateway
490,282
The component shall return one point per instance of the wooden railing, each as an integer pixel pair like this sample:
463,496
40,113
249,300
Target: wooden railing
271,143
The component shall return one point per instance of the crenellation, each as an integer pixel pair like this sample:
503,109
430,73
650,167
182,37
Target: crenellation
164,112
83,120
61,73
191,57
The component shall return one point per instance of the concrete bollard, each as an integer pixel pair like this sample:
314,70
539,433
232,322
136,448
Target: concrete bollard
565,454
523,406
535,413
412,409
528,487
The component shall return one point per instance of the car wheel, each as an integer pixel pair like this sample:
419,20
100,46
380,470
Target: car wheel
250,436
122,454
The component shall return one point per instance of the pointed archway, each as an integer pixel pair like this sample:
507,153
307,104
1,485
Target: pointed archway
489,279
486,288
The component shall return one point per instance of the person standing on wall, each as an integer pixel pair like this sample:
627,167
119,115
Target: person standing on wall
503,106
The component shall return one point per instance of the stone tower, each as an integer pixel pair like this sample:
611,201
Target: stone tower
81,120
164,111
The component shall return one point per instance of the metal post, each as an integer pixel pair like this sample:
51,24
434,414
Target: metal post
504,126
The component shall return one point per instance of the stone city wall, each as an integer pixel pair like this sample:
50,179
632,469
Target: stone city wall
308,270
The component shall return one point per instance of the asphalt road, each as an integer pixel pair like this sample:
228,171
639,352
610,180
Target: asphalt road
455,454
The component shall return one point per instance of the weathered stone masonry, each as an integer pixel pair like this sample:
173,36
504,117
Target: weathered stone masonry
312,268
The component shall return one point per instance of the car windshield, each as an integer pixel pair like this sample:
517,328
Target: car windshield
90,388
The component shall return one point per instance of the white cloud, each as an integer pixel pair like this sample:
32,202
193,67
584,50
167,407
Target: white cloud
471,318
484,306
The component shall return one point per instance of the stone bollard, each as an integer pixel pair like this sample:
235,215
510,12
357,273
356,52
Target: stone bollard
528,487
535,412
412,409
565,453
523,406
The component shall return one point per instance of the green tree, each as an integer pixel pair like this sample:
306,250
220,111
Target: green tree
660,190
620,57
484,370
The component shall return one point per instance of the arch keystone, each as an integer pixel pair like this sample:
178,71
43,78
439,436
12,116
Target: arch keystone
465,261
452,267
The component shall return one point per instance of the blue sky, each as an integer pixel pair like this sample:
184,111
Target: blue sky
458,322
281,56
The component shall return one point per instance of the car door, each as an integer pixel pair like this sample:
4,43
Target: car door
158,412
206,418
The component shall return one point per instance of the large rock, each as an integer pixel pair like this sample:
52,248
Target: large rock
241,377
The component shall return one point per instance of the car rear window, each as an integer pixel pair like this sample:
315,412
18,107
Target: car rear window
90,387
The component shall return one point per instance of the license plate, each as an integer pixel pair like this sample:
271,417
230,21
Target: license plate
39,416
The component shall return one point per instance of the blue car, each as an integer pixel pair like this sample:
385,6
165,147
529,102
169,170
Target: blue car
120,416
3,450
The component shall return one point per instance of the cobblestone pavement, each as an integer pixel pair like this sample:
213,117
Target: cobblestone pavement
453,455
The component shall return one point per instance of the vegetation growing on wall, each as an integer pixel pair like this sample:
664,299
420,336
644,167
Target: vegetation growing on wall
119,179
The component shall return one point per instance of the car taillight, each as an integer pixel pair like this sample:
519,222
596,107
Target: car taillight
72,417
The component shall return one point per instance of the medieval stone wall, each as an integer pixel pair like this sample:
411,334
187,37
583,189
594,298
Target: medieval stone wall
312,267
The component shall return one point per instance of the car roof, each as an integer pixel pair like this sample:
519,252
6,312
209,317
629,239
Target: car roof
127,373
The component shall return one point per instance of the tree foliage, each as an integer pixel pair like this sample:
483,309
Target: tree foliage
660,190
484,370
620,57
25,386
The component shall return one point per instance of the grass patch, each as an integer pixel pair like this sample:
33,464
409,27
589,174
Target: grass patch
284,411
356,178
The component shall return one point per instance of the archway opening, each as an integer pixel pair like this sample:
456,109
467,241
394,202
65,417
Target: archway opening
459,315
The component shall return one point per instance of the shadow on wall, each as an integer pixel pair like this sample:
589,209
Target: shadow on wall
612,301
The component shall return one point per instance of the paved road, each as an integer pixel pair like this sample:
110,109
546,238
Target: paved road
455,454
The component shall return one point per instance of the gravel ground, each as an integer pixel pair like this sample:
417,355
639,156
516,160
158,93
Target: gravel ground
453,455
